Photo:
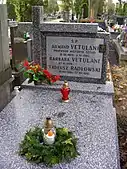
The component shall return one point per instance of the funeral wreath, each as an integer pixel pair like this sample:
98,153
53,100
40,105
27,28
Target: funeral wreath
34,149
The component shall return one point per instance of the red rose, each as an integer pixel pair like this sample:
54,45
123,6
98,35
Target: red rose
47,73
26,63
55,78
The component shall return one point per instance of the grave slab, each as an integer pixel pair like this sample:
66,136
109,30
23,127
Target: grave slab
105,89
90,116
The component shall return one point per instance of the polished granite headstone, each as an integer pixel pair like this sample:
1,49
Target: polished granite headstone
90,116
76,51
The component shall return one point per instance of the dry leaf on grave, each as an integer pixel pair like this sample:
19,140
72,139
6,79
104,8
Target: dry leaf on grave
120,99
123,107
121,87
125,85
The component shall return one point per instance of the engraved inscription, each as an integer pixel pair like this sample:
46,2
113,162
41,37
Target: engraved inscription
74,56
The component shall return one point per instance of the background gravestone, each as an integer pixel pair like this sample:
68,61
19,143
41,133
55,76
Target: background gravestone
20,50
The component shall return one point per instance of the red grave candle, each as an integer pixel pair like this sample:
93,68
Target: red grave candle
65,90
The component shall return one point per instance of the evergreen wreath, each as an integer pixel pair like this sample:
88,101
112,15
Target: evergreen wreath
35,150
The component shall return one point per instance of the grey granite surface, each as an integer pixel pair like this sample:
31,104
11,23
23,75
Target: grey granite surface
36,20
69,27
114,110
90,116
23,27
105,89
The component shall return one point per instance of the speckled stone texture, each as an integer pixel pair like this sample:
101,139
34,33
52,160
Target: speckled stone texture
23,27
37,19
105,89
91,117
69,27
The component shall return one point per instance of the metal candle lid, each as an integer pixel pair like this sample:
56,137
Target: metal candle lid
48,123
65,85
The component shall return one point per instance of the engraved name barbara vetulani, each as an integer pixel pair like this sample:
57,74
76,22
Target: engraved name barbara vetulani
77,56
84,60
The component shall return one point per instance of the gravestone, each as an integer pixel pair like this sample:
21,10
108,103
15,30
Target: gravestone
5,70
75,57
75,51
89,113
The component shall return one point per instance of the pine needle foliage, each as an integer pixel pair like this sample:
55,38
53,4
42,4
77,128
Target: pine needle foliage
63,150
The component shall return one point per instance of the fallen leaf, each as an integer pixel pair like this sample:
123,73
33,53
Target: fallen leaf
123,107
120,99
121,87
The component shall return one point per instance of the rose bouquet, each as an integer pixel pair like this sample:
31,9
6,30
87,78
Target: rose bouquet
34,72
